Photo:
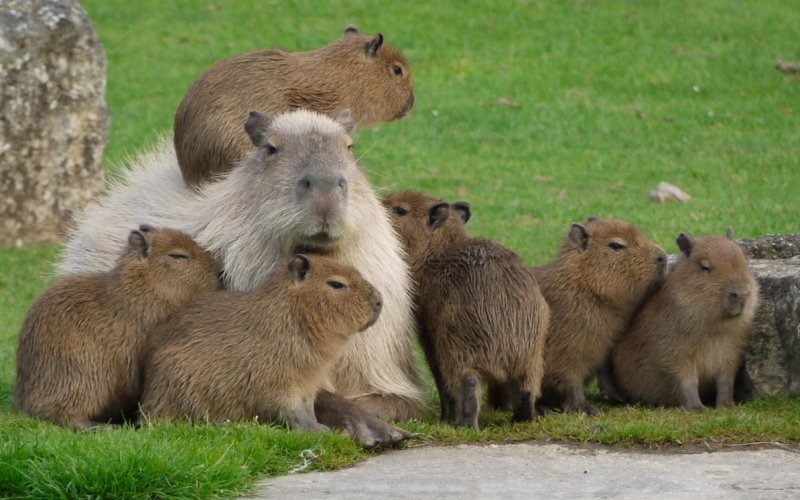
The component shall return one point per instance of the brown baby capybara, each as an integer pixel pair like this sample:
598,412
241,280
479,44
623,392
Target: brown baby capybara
357,72
687,342
479,312
83,341
262,354
603,272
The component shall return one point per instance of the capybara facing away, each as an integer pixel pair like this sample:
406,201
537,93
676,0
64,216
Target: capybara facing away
358,72
603,272
479,312
82,343
262,354
300,190
688,341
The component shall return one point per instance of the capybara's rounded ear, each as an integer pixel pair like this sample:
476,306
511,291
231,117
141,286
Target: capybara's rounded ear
257,126
373,45
463,209
579,235
685,243
346,120
438,214
729,233
351,30
299,267
137,244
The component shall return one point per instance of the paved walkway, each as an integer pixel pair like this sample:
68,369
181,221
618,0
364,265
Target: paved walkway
550,471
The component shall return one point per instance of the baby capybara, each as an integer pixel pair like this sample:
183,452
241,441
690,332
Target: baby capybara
261,354
82,344
688,340
604,270
479,312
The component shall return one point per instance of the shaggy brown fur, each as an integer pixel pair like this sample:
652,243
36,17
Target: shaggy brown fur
357,72
604,270
479,312
688,340
262,354
82,343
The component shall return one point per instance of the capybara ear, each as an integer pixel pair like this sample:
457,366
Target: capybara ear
351,30
685,243
137,244
591,218
729,233
579,235
438,214
462,207
145,228
345,119
374,44
256,126
299,267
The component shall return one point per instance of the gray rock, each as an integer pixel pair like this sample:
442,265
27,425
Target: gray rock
771,246
53,117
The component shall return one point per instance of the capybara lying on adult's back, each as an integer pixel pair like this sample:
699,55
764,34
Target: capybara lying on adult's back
688,340
83,341
358,72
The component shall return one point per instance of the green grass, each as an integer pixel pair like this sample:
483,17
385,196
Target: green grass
538,113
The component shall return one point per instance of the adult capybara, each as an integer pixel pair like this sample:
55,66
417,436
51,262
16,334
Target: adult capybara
357,72
688,340
300,189
479,312
603,272
82,344
261,354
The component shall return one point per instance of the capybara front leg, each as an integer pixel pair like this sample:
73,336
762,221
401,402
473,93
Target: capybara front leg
690,395
725,389
302,418
468,404
335,411
575,399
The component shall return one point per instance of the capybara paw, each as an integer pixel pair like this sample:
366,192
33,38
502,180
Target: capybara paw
373,432
694,408
725,403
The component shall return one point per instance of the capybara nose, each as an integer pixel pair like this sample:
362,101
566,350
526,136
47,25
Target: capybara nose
377,301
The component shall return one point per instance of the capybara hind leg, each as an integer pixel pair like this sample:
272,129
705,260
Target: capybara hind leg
468,402
335,411
302,418
690,396
575,399
388,406
448,405
725,389
605,382
524,402
498,395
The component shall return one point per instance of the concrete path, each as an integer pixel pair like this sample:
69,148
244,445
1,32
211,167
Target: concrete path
550,471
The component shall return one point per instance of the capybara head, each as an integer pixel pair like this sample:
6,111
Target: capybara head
712,276
614,259
426,223
169,264
328,296
311,171
379,70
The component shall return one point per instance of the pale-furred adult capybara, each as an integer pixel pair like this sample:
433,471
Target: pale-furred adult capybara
83,341
479,312
263,354
358,72
603,272
688,340
300,189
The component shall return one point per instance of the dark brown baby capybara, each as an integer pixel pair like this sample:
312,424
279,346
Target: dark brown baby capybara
82,344
603,272
261,354
688,341
479,312
358,72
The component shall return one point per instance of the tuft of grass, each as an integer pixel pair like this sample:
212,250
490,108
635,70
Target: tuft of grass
538,113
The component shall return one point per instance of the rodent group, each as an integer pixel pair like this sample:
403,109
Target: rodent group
260,192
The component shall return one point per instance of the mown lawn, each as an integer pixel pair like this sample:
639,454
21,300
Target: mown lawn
538,113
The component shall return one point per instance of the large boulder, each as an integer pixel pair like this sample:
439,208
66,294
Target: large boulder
53,117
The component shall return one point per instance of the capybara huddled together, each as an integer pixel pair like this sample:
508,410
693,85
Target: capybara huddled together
82,345
479,312
260,193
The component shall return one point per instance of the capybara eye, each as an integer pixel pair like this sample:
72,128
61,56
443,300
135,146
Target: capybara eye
178,255
400,210
336,285
351,146
616,246
705,266
271,150
398,70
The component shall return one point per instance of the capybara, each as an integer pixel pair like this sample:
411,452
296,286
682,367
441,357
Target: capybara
687,342
261,354
479,312
82,344
357,72
300,189
603,272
